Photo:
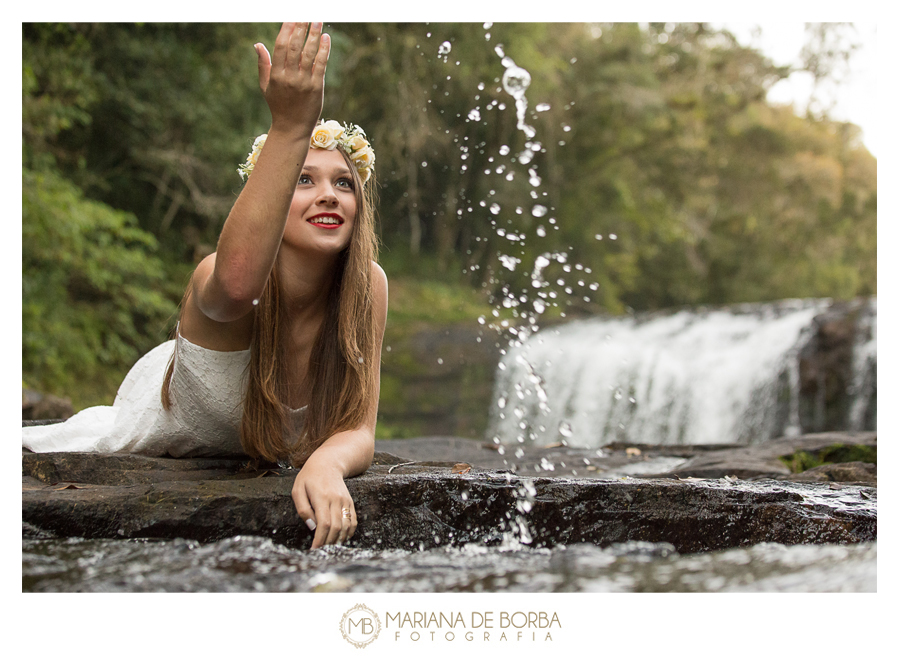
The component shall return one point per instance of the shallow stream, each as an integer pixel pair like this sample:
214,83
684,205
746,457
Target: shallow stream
247,564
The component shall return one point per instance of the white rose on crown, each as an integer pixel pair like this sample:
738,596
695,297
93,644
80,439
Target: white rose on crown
363,158
245,169
326,135
357,142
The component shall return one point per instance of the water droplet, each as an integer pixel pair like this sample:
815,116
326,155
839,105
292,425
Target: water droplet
541,231
474,115
444,50
440,362
499,50
598,237
565,429
542,107
612,236
539,210
509,262
495,210
516,80
504,150
255,302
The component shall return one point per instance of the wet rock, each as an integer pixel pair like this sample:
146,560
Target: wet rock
402,505
848,472
826,369
40,406
763,459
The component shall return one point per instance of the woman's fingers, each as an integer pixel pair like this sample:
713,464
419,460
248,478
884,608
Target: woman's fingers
336,526
264,62
295,47
322,57
328,528
348,522
334,532
281,44
304,509
311,47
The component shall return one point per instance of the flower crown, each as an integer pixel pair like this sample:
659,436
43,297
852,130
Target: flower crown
327,135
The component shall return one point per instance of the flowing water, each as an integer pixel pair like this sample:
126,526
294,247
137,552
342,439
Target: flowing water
247,564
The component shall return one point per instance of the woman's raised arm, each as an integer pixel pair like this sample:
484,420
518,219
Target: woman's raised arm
293,82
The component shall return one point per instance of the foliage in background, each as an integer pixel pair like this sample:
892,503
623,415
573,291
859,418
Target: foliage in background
668,178
92,300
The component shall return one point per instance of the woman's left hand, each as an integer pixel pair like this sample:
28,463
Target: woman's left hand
324,503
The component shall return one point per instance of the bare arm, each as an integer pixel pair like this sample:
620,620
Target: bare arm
319,491
293,84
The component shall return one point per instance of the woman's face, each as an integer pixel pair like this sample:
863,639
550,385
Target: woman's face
323,209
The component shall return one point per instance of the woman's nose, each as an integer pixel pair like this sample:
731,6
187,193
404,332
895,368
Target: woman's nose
327,197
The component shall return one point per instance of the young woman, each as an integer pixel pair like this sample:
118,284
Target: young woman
278,344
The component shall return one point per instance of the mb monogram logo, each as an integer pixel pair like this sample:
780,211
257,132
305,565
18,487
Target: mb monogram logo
360,626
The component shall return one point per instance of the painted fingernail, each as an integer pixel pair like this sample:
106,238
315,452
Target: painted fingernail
310,524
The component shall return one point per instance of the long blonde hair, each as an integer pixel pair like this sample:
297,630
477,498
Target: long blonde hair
343,366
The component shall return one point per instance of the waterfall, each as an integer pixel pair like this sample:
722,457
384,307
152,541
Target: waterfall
701,376
862,389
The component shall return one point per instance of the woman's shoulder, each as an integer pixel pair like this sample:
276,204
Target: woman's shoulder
379,282
380,294
378,274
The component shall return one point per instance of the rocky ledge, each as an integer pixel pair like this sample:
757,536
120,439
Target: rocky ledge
411,502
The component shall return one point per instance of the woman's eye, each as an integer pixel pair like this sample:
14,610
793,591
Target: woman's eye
345,182
304,180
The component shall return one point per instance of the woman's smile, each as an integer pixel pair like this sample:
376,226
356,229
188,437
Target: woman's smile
326,220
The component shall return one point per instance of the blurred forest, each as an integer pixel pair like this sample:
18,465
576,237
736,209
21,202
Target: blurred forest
658,174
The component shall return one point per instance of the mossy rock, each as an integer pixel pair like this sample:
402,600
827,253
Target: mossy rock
838,453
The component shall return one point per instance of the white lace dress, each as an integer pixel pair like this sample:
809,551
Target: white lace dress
203,421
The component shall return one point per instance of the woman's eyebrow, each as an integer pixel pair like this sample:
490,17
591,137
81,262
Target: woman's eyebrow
313,168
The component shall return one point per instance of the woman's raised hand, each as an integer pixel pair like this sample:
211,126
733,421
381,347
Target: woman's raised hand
293,78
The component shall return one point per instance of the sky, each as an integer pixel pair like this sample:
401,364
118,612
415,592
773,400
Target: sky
855,100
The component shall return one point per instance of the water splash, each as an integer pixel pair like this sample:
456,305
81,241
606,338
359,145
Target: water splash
516,81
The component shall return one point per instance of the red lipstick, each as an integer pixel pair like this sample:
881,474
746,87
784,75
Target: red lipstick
326,220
